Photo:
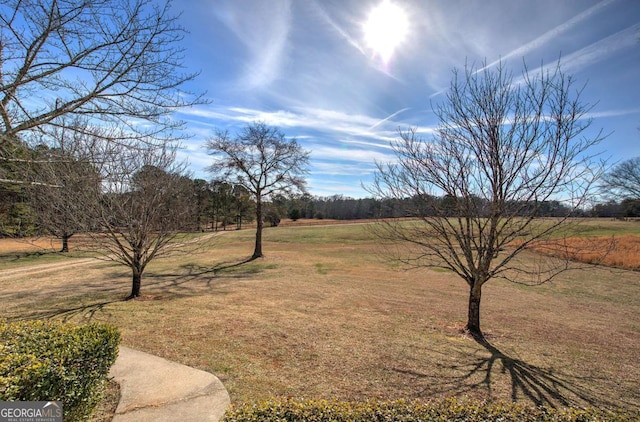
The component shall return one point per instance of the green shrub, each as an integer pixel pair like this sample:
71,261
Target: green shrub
291,410
43,360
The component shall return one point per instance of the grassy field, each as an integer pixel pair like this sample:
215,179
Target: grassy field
323,315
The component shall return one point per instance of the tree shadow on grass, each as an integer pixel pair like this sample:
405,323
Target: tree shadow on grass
477,374
87,302
26,254
193,277
218,269
86,312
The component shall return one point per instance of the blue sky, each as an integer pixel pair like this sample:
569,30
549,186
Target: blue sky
309,68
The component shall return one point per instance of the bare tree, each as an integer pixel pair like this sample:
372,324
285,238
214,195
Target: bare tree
116,61
65,173
141,211
623,181
502,150
261,160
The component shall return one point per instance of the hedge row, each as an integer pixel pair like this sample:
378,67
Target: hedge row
41,361
291,410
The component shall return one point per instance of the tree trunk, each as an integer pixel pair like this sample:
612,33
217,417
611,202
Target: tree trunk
473,321
65,243
136,283
257,251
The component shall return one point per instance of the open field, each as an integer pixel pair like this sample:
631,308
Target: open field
324,316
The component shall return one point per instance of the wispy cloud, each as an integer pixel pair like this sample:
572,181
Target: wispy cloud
595,50
196,157
347,187
389,117
602,49
264,38
552,34
334,168
614,113
342,32
342,154
592,54
584,57
355,128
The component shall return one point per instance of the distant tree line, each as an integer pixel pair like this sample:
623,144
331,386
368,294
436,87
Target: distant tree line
627,208
339,207
221,205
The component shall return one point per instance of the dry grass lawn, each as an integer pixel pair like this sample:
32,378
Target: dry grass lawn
324,316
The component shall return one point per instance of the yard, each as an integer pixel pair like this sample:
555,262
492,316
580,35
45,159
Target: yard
324,315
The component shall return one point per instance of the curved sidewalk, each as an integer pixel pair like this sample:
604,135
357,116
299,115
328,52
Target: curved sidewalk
155,389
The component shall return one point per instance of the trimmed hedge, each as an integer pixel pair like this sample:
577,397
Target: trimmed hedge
290,410
44,360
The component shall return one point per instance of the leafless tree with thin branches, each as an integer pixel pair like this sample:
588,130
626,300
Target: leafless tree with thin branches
64,174
113,62
261,160
623,181
142,209
503,149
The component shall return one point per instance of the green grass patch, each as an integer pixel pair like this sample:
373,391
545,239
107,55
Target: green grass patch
324,268
586,227
319,235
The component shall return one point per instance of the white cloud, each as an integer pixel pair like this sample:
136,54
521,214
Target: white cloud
600,50
335,168
263,28
350,128
552,34
320,11
350,155
325,187
613,113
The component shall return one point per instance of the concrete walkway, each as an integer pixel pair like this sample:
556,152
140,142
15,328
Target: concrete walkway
155,389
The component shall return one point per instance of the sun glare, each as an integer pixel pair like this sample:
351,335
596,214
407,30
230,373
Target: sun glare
385,29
